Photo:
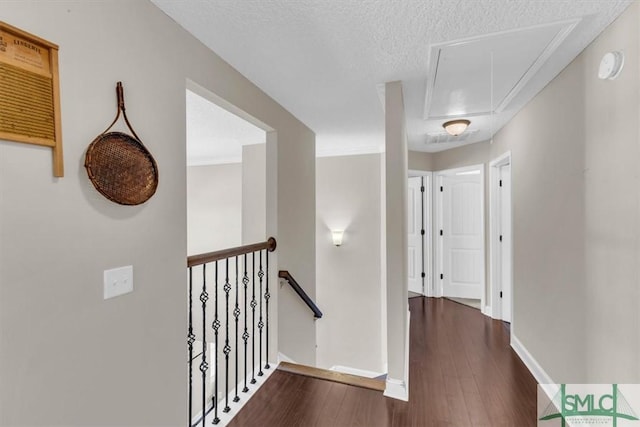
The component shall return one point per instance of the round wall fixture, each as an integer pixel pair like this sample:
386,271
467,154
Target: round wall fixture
611,65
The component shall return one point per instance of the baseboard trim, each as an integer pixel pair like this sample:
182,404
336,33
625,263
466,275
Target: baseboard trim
335,376
356,371
538,372
396,389
407,340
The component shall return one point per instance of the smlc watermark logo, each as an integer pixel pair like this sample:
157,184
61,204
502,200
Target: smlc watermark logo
586,405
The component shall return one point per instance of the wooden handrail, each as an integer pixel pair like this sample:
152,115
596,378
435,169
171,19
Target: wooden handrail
194,260
283,274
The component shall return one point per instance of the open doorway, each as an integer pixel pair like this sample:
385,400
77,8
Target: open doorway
459,235
419,229
226,208
501,238
226,167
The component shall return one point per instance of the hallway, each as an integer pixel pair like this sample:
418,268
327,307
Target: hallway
462,373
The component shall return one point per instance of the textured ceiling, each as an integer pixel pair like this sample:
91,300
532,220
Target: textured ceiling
323,59
215,135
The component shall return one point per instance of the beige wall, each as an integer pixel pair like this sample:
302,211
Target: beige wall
254,204
574,150
467,155
348,277
82,360
296,228
546,140
420,161
612,207
214,207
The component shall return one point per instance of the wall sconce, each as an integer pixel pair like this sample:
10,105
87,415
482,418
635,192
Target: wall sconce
337,235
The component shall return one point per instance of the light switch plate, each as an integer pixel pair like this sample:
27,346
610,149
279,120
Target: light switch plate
118,281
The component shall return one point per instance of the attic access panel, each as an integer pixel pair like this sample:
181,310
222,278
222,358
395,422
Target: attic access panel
29,92
482,75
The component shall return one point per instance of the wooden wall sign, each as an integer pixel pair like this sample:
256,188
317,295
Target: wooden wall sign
30,92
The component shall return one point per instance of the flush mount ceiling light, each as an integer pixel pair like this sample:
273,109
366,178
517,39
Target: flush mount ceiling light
456,127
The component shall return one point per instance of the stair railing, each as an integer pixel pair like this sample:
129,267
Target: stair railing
222,327
283,274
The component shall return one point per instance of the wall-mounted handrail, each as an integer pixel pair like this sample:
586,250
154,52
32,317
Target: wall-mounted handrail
283,274
205,258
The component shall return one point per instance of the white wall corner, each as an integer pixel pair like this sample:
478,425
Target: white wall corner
396,389
399,389
541,376
407,342
487,311
284,358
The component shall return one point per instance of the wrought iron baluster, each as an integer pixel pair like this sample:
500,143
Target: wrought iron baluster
190,340
248,278
236,314
260,322
266,302
227,348
245,335
253,319
204,296
216,326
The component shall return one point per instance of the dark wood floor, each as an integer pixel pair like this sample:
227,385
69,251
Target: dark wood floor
462,373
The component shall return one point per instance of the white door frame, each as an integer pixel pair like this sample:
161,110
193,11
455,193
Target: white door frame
427,253
438,221
495,310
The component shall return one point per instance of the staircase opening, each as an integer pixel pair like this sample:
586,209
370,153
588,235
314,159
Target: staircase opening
229,321
229,287
226,164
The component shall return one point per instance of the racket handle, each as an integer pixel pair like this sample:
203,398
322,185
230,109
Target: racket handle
120,93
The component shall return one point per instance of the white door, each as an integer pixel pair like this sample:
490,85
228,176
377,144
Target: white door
462,235
504,240
415,227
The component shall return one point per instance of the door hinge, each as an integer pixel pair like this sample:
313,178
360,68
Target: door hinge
422,232
441,276
422,189
441,188
501,237
500,183
441,232
500,294
423,275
